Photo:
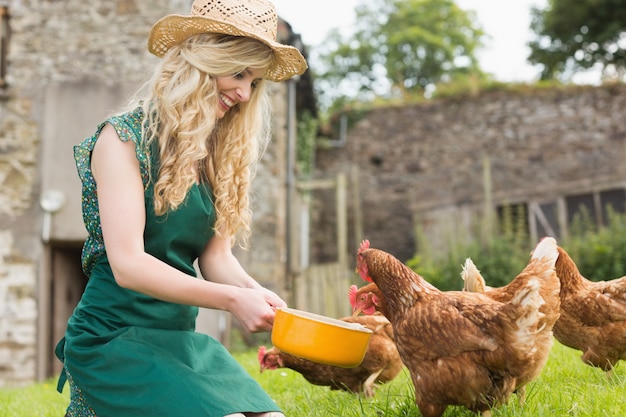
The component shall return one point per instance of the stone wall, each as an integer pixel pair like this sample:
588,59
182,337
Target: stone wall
541,143
19,247
18,312
51,41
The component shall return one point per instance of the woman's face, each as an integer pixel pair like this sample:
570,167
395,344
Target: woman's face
236,88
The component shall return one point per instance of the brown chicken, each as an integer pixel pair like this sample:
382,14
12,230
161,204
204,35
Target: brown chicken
550,308
461,348
381,363
593,315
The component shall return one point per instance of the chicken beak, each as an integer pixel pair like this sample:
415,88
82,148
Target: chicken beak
356,312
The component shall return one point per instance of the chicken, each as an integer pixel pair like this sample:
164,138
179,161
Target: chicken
550,309
367,299
461,348
381,362
593,315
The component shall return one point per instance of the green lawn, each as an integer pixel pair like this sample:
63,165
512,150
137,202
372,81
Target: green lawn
566,387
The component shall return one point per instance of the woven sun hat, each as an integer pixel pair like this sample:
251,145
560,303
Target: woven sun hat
254,19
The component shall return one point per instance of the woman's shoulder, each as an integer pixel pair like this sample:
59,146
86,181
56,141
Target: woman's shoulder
128,125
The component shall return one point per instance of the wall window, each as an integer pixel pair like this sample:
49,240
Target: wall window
582,206
546,216
556,217
616,199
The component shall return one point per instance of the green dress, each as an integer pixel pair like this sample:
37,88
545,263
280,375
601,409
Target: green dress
131,354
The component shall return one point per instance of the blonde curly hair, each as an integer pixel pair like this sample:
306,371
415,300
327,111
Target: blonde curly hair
180,103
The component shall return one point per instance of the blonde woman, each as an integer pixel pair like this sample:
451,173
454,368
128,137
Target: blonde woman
166,183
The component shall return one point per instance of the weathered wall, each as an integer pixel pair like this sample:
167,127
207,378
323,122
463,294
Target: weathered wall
542,142
51,41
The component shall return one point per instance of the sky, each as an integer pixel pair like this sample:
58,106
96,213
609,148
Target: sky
506,23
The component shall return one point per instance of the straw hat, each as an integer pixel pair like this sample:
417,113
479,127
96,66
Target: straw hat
255,19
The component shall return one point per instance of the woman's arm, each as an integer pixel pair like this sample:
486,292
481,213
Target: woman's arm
218,264
122,214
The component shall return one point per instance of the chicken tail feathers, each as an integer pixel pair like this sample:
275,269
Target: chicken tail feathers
473,280
546,249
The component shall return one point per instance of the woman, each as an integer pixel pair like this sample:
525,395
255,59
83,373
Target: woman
165,183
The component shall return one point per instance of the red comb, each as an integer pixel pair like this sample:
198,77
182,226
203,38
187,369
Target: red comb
352,294
261,354
364,245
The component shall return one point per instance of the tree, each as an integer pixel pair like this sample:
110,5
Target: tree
398,47
574,35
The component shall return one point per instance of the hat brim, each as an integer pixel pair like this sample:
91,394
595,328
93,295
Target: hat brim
173,29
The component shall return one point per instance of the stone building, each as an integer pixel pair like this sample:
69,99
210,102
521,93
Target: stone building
434,170
66,65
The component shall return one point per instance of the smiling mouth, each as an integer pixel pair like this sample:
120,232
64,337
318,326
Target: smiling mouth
227,102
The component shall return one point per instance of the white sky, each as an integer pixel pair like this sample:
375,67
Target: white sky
506,23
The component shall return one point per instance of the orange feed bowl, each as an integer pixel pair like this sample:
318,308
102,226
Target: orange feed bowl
319,338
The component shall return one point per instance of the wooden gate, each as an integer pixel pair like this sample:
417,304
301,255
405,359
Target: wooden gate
323,288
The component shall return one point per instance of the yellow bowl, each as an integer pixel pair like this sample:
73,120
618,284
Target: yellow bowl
319,338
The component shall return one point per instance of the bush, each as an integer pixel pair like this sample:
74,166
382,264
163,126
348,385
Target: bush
599,252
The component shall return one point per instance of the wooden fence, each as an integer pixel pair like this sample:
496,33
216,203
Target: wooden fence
323,289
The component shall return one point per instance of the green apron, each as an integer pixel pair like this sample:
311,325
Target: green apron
133,355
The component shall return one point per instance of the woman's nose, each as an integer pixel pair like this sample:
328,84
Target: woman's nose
244,92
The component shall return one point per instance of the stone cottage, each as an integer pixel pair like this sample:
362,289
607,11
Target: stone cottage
65,65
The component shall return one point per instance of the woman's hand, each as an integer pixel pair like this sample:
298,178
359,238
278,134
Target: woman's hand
272,298
255,308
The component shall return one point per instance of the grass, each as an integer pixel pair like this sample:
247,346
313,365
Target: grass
566,387
38,400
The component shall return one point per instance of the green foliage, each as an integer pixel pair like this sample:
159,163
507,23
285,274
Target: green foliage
599,253
578,34
305,148
499,261
443,275
398,47
500,257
